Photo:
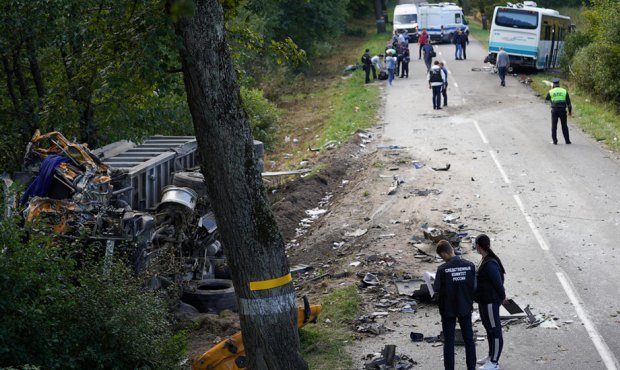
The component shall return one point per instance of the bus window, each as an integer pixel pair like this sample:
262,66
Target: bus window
457,18
516,18
547,32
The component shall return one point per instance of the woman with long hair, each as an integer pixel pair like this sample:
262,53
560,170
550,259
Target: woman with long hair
490,294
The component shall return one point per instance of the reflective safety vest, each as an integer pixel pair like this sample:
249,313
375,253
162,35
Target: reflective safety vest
558,95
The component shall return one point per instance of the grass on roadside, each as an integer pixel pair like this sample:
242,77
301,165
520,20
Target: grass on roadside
323,345
355,103
601,121
476,31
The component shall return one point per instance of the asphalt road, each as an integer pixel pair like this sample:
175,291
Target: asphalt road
552,211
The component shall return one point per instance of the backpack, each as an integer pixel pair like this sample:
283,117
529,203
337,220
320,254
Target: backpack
435,75
383,75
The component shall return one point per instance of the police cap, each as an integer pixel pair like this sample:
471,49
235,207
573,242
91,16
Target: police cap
555,81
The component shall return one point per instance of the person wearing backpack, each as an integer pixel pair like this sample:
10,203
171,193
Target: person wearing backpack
436,77
490,294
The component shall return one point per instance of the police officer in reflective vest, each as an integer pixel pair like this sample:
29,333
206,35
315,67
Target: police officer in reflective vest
559,102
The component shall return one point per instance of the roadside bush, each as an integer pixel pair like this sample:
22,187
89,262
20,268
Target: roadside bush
264,116
56,316
595,70
573,43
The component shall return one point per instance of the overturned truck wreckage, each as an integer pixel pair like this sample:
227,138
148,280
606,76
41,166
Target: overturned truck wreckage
72,194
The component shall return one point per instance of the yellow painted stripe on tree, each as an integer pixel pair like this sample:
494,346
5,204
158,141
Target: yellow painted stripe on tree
270,284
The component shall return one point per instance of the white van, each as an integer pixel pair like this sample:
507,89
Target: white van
406,18
441,20
533,37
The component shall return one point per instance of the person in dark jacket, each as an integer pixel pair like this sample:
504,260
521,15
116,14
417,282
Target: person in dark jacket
464,43
458,43
490,294
367,65
404,63
455,284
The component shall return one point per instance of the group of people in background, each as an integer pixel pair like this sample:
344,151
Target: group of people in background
397,59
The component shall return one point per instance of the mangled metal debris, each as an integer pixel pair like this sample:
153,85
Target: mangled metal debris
388,359
445,168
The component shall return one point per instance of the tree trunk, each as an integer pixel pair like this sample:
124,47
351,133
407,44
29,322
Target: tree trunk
252,240
10,85
34,68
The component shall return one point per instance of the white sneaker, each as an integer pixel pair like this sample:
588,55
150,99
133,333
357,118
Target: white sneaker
483,361
489,366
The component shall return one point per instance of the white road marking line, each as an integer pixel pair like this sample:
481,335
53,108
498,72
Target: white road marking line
603,350
499,167
610,361
484,138
541,241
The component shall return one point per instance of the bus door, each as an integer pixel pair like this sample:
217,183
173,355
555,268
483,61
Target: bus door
552,49
547,37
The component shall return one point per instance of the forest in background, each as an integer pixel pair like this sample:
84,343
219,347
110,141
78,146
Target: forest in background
101,71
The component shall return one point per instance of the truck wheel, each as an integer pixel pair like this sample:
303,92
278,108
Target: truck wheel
210,295
192,180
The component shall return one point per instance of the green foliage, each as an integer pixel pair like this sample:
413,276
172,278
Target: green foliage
57,316
308,22
592,55
595,69
264,116
574,42
360,8
323,344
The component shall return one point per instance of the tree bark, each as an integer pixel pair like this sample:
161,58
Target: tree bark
253,243
34,68
9,84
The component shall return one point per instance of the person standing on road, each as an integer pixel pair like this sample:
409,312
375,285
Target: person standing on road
455,284
464,43
436,77
390,64
457,39
404,64
366,65
502,62
422,40
490,294
428,55
444,88
559,101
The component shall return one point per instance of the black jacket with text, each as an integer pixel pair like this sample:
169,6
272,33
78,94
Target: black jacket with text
455,284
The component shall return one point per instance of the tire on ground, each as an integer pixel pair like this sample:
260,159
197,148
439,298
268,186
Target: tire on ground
210,295
192,180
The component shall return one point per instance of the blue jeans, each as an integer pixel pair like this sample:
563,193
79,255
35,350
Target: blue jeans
489,314
390,75
437,96
502,74
448,325
458,52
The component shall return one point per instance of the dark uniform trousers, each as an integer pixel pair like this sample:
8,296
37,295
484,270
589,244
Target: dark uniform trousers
448,325
561,114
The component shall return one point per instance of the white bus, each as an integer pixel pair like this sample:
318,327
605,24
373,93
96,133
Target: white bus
533,37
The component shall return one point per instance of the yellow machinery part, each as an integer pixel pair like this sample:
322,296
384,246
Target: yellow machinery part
220,356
